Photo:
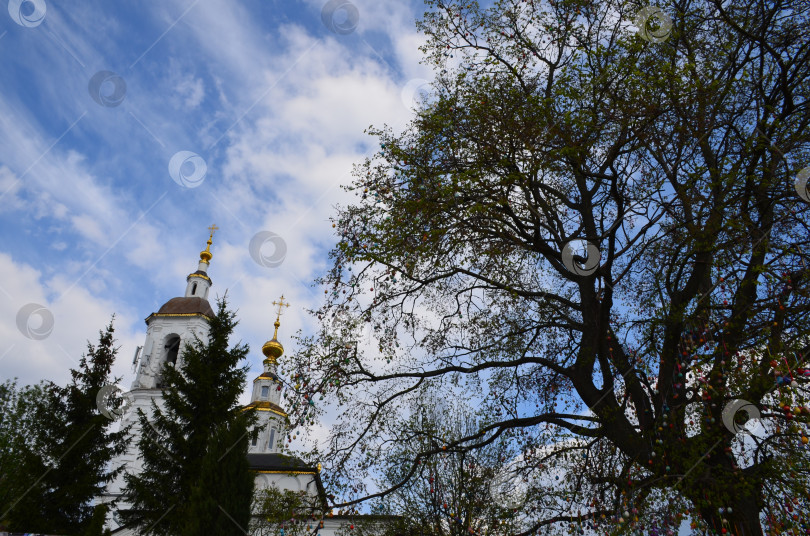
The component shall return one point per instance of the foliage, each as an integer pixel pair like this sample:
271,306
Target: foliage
225,484
554,126
196,442
68,447
294,513
19,496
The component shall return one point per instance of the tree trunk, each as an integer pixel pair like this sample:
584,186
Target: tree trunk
743,519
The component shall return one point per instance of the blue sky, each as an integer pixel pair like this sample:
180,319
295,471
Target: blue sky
270,98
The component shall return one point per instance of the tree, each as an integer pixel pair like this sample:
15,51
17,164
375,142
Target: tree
195,475
225,484
19,493
598,233
69,446
294,513
457,493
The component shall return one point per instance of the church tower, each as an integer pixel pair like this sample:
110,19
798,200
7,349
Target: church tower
266,395
176,323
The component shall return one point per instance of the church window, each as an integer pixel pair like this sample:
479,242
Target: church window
254,440
194,289
172,348
271,442
265,391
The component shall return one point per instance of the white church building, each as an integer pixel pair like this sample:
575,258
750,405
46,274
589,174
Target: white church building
168,330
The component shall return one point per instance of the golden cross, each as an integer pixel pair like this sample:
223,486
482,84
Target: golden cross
280,304
213,228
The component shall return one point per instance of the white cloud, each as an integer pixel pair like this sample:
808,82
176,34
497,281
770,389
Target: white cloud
77,318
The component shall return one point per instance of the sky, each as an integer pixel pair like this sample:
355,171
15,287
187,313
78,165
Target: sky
127,128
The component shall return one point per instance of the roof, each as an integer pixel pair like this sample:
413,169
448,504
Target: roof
266,375
278,462
184,306
281,463
199,273
265,405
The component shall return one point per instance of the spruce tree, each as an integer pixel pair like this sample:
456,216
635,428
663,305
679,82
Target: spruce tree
221,498
194,448
69,448
20,465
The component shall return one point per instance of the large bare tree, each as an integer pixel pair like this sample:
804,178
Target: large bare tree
595,230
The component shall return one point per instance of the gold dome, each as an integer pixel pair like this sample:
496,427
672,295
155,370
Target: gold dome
273,349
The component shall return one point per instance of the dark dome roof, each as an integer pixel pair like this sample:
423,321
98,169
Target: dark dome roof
191,305
277,462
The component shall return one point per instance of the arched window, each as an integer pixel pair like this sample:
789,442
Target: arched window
265,391
172,348
194,289
271,441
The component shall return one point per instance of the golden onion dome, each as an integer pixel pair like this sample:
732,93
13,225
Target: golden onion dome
273,349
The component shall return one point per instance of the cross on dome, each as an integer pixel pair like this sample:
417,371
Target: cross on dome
280,304
205,256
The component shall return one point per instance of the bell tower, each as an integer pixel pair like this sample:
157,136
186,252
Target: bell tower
168,330
176,323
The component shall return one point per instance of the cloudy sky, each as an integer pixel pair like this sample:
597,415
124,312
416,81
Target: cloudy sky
128,127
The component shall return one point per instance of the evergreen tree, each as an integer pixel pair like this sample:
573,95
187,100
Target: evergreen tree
196,443
69,447
20,490
221,498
